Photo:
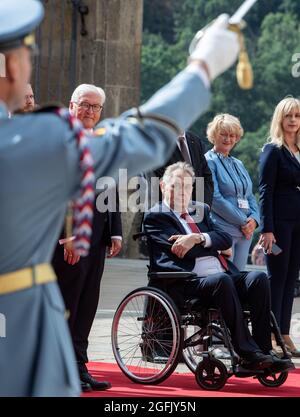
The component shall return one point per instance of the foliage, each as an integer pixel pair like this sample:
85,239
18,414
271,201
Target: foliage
272,37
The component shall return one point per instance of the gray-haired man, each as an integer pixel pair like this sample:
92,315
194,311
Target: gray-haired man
79,278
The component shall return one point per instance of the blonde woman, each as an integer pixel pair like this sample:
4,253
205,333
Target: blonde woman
280,210
234,206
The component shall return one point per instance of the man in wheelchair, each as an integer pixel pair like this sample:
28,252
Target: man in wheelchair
181,239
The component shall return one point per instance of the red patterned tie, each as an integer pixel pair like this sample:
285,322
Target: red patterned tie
195,229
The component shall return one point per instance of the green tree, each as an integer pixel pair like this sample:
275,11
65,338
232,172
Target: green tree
248,150
159,18
272,38
290,6
160,62
279,40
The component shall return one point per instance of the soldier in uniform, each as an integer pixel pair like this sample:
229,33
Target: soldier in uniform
46,160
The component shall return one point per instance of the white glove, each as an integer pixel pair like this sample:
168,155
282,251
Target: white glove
218,47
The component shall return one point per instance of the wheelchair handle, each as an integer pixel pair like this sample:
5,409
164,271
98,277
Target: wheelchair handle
138,235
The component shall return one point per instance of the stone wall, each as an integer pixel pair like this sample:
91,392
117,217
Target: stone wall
108,56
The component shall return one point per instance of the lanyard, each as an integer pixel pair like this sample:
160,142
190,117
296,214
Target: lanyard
239,174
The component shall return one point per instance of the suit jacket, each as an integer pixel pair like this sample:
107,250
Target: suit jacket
225,210
279,177
196,149
106,224
159,226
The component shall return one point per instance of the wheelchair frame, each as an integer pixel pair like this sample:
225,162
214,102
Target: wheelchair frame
150,337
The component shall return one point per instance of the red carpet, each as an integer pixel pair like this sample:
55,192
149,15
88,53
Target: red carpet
184,385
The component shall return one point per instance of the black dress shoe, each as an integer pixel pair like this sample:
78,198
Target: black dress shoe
95,385
256,360
280,365
85,387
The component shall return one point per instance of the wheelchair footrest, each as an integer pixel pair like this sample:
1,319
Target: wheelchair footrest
241,372
156,359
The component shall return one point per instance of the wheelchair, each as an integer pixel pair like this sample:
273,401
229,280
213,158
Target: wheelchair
151,335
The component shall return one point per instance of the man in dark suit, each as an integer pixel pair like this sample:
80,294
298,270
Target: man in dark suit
79,278
190,149
180,243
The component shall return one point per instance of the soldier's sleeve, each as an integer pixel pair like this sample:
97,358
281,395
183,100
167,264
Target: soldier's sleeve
145,143
144,140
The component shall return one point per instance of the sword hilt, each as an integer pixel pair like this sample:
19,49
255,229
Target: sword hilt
244,72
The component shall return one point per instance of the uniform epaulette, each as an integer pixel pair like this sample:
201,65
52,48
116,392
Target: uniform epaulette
100,131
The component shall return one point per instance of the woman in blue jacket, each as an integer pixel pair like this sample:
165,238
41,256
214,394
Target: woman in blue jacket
279,189
234,206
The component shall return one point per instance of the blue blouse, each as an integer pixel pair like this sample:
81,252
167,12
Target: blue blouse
231,181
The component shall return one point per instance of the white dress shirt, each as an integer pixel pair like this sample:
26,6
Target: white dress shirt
206,265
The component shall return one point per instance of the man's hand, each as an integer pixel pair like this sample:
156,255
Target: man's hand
266,240
217,49
183,243
249,228
69,255
116,246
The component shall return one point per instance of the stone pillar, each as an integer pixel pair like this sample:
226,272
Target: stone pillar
107,56
53,78
113,50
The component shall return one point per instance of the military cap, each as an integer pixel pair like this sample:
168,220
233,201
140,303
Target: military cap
18,20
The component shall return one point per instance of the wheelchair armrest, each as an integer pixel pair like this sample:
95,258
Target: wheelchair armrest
172,275
139,235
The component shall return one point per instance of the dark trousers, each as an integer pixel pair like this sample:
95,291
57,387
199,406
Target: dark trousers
226,292
283,271
80,288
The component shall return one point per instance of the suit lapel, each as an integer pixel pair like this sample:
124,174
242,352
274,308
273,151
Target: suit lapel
290,157
192,148
177,156
175,220
169,213
202,225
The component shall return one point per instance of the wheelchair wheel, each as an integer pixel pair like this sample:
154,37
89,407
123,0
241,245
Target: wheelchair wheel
211,374
192,355
273,380
146,336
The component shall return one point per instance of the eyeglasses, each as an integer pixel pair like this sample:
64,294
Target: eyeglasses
86,106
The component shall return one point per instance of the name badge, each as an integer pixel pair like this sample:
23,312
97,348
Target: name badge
243,204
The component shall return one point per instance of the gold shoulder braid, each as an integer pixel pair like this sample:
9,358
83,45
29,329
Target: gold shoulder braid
100,131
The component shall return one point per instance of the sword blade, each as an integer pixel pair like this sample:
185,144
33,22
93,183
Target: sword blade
241,12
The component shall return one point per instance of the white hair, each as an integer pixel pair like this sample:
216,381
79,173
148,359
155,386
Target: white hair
87,88
183,166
